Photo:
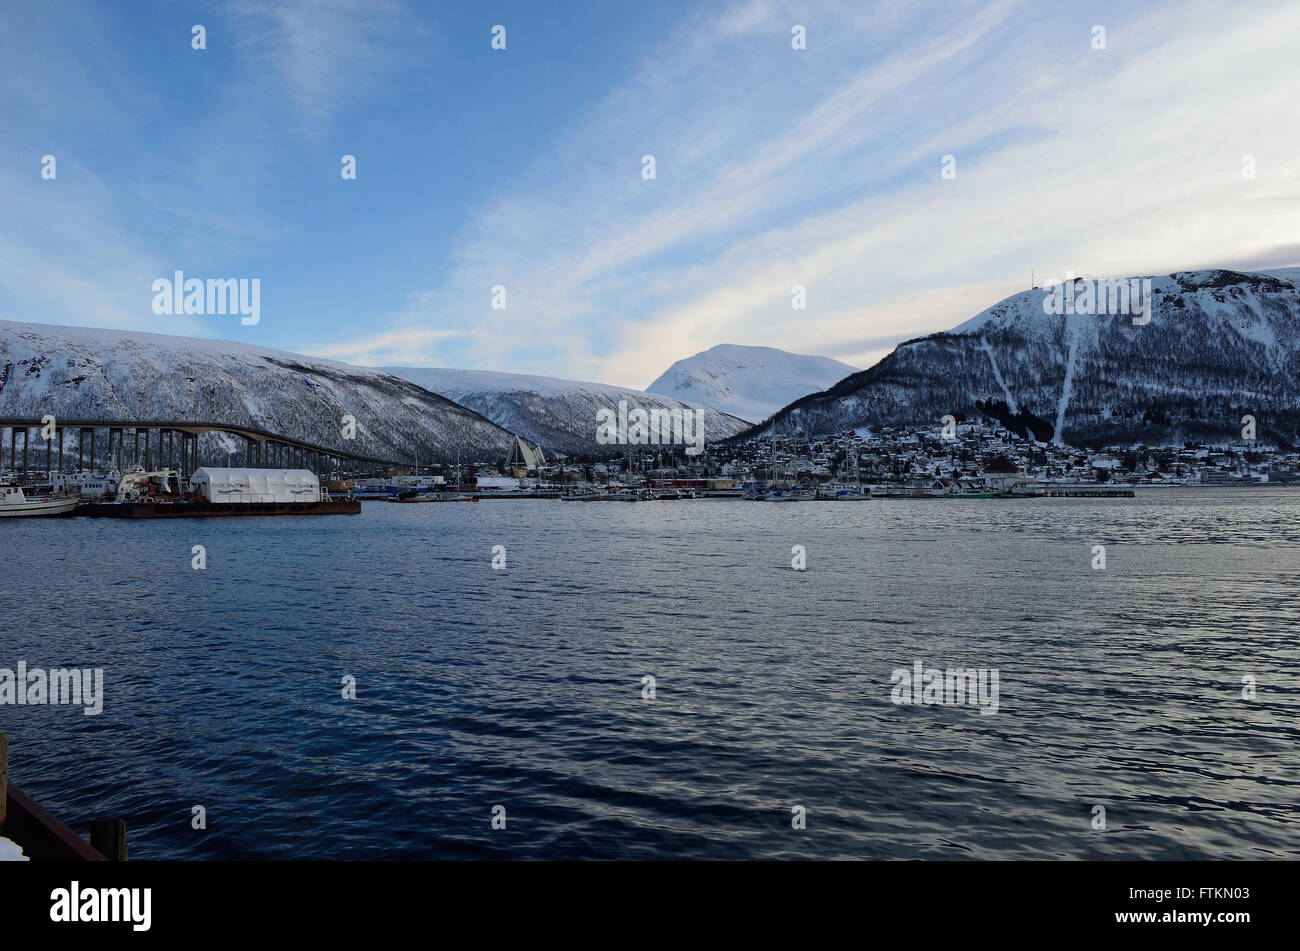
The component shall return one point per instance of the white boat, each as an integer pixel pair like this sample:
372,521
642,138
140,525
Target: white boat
89,485
141,485
13,503
583,495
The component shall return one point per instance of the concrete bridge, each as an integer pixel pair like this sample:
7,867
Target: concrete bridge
172,443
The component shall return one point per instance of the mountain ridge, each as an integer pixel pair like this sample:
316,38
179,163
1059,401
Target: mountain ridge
1220,345
110,374
558,414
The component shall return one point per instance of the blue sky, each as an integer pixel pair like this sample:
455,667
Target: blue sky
522,167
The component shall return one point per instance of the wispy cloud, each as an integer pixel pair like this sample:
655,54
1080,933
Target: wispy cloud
319,56
822,167
144,187
775,167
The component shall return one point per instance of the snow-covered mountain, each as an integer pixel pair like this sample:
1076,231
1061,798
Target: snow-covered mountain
1219,345
749,382
108,374
559,415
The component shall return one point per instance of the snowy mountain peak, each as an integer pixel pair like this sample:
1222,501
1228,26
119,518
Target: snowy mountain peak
1215,347
749,382
122,375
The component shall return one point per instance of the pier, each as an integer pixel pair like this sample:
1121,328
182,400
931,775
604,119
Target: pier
42,837
1086,492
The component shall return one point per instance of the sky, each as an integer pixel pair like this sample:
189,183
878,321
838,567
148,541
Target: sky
1174,147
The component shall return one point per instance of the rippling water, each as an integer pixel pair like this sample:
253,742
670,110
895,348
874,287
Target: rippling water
523,687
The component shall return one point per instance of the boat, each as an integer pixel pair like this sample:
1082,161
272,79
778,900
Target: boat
785,486
418,488
583,496
15,504
89,485
971,489
785,493
416,495
839,492
373,489
141,485
853,491
215,491
202,508
413,495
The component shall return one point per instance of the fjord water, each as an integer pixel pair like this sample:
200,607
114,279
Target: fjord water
522,687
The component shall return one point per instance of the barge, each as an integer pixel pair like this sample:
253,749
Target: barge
217,492
201,508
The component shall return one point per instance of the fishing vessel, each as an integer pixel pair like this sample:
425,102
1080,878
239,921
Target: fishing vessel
842,492
413,495
853,491
430,495
583,495
373,489
15,504
418,488
781,493
969,489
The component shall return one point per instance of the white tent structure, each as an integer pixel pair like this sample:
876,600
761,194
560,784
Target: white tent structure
231,486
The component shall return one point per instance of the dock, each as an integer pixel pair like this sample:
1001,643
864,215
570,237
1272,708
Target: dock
541,494
1042,492
42,837
1085,492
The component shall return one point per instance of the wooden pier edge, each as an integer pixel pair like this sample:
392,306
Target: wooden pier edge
42,837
